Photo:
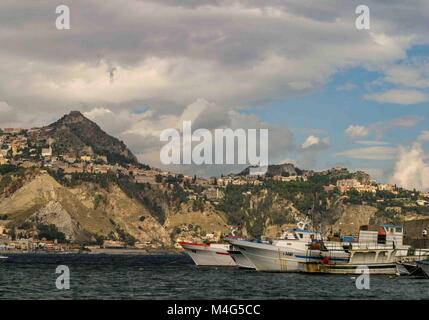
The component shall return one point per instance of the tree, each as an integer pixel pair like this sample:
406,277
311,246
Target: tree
50,232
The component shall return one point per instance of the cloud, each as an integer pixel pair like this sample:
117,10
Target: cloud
398,96
347,87
310,149
424,136
236,54
7,113
314,142
381,127
414,74
357,131
411,168
370,153
372,142
141,131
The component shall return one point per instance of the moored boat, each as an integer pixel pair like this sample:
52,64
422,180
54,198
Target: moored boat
209,254
376,259
377,252
291,253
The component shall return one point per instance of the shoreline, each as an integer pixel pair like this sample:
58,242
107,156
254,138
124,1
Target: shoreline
95,251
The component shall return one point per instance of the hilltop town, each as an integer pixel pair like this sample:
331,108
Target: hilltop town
70,185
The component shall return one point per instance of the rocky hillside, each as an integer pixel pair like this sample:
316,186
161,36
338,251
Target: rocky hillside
77,135
85,213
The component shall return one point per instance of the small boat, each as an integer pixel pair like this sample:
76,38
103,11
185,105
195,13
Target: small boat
209,254
3,257
424,266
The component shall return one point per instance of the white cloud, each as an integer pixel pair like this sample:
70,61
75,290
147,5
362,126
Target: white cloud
424,136
372,142
370,153
357,131
310,150
380,128
141,131
413,75
411,169
311,141
398,96
314,142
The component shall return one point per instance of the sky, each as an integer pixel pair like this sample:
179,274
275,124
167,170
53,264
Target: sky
330,94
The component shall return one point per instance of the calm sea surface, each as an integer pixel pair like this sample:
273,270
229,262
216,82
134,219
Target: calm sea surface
172,276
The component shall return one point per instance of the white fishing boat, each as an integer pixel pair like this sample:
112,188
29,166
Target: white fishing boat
376,259
291,253
424,266
377,251
3,257
209,254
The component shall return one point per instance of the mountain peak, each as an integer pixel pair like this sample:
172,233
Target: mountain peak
76,114
73,117
76,134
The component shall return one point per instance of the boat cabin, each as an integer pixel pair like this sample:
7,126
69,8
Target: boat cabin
301,235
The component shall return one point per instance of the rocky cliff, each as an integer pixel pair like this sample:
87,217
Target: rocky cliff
83,213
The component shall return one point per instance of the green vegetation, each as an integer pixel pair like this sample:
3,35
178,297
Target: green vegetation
50,232
7,168
99,200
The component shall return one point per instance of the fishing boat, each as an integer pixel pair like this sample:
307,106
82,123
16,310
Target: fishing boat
290,253
377,251
376,259
209,254
3,257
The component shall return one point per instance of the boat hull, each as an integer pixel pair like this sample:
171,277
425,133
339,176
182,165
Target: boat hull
205,255
241,260
270,258
379,268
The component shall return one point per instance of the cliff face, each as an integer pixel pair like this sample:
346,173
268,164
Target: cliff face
82,213
348,218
